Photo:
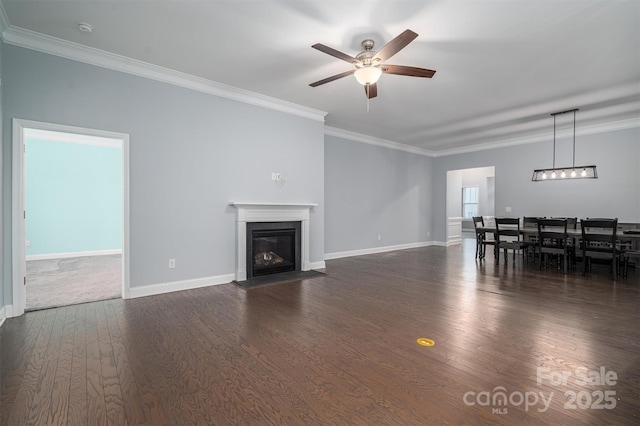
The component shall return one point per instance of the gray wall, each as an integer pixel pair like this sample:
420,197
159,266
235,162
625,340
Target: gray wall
372,190
191,153
613,194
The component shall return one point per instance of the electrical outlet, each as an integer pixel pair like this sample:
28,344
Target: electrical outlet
379,237
28,243
274,176
508,209
172,263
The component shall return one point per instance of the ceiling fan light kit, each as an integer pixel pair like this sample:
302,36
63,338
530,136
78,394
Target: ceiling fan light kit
369,63
565,173
368,75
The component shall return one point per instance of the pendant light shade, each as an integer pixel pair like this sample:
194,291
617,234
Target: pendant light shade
565,173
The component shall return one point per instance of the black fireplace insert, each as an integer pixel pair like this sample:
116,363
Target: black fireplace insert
273,247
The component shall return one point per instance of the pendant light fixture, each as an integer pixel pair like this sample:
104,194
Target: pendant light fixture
573,172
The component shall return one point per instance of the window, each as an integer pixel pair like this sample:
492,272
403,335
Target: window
469,202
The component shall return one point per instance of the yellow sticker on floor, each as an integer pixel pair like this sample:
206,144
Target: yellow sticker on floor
425,342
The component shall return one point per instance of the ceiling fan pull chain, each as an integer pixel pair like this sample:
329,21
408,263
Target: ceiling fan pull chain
368,88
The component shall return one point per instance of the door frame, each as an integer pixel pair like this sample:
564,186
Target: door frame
18,237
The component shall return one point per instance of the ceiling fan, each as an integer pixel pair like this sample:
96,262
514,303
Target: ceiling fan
369,64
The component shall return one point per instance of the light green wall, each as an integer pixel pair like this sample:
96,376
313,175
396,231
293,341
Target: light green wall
73,197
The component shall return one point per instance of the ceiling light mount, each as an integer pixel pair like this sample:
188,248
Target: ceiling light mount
565,173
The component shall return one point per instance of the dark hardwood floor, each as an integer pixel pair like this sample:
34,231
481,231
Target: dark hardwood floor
340,349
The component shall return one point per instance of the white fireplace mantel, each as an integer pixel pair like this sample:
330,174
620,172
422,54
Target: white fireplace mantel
270,212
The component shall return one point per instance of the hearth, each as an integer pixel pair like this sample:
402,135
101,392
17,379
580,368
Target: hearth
273,247
265,213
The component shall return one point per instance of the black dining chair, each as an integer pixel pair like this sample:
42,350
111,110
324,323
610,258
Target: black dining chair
508,237
553,239
482,239
572,222
627,255
599,241
530,238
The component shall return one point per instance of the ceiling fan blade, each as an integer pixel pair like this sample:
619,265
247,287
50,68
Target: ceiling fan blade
335,53
332,78
395,45
371,90
409,71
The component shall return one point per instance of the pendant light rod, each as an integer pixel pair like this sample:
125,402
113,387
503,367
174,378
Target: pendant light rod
574,138
574,134
565,173
554,141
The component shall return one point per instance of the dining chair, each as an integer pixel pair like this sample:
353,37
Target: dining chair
530,239
508,237
482,239
629,254
553,239
599,241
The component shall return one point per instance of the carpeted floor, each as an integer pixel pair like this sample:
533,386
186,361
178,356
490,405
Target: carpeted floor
60,282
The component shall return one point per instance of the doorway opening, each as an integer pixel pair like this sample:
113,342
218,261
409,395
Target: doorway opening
70,236
470,192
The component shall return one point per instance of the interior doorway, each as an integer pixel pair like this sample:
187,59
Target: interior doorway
470,192
71,240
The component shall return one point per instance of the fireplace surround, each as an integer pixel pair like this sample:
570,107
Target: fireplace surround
272,213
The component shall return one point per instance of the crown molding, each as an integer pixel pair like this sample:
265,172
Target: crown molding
89,55
359,137
544,137
4,21
536,138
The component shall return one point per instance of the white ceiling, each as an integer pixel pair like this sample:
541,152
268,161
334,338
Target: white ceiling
502,66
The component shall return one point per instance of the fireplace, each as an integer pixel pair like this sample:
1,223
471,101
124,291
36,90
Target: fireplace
273,247
251,213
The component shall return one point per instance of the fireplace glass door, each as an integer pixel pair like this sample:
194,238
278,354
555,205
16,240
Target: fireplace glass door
273,248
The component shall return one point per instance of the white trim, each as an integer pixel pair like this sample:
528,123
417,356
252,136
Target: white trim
89,55
543,137
18,265
70,254
454,230
49,136
359,137
272,212
169,287
538,137
317,265
362,252
4,21
268,205
3,315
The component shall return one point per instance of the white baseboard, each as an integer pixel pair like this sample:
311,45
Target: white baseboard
341,254
155,289
72,254
3,315
317,265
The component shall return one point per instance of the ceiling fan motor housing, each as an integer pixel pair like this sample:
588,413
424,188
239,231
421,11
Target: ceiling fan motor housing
364,58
